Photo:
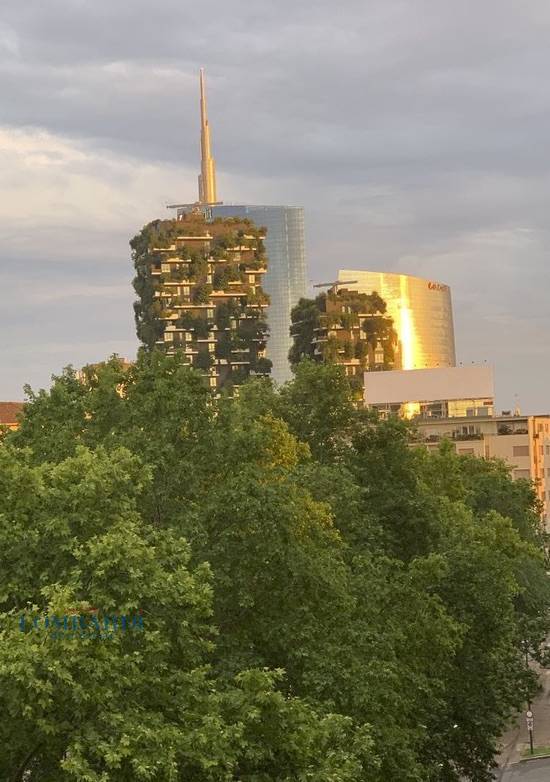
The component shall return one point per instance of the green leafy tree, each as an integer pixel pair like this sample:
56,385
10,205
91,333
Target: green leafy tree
305,318
318,406
397,589
143,704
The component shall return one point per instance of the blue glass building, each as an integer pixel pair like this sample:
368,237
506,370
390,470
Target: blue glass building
286,278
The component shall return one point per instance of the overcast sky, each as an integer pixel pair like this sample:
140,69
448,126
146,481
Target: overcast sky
415,133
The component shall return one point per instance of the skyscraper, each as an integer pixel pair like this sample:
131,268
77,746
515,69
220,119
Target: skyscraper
422,314
286,277
200,296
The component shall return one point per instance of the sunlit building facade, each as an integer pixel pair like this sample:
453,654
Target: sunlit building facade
422,315
432,394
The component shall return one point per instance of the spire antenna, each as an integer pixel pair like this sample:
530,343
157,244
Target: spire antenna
207,177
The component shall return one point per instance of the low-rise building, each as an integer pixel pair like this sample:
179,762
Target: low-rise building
522,441
457,404
9,414
446,392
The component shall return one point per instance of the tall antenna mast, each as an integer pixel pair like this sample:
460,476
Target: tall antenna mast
207,177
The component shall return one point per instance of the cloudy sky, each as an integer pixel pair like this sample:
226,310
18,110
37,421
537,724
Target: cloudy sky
414,132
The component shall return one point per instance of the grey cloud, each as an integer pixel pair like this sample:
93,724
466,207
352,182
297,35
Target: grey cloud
413,131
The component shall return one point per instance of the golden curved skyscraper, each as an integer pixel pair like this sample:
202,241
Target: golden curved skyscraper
422,315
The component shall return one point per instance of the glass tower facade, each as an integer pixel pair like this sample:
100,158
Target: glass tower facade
286,278
422,315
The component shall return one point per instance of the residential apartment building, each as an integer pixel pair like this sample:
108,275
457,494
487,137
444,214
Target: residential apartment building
457,404
523,442
347,328
200,293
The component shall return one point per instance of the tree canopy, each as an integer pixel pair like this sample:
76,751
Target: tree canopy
320,601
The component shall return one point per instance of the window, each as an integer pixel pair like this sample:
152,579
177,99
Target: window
522,474
520,450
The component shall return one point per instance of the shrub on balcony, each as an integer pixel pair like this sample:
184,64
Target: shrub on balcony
202,293
361,351
252,329
262,366
198,269
349,319
239,375
186,253
203,360
223,277
258,262
186,321
349,349
223,347
178,274
201,328
330,350
222,317
257,297
218,281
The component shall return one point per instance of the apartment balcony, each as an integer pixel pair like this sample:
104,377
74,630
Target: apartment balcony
504,429
204,238
192,306
221,294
